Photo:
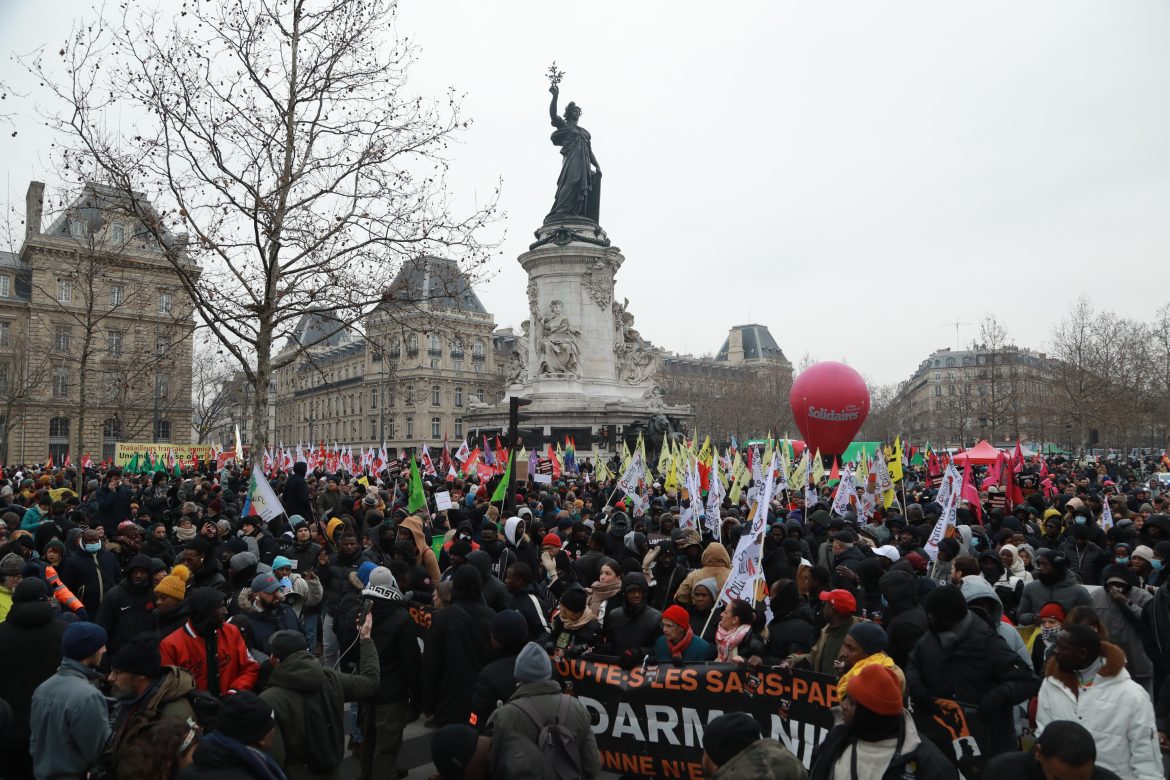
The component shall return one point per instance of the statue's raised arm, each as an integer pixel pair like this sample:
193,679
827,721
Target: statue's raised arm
552,107
578,187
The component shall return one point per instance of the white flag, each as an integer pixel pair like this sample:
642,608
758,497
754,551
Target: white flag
262,499
948,496
746,570
634,473
845,494
1106,515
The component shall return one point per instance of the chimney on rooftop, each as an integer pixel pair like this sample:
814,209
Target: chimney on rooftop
34,208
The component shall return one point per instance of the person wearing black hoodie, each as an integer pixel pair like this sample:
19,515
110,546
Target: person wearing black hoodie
127,609
457,647
632,629
495,593
496,682
664,572
295,496
904,618
527,601
791,630
30,652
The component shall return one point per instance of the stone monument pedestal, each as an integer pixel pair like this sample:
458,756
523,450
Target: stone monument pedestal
579,358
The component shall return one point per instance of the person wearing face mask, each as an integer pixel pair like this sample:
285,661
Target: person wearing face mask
462,534
1121,553
1053,582
91,570
1040,644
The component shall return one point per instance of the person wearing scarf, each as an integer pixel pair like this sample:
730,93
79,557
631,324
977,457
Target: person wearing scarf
1010,557
575,627
1040,644
865,645
608,586
678,642
735,625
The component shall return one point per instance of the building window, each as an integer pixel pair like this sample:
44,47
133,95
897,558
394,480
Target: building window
938,389
64,292
435,424
434,364
436,395
164,386
410,427
110,382
163,432
117,295
390,428
457,364
477,351
5,333
3,378
410,394
117,233
164,303
61,383
111,432
61,338
459,395
434,346
58,438
373,428
114,342
395,348
458,427
373,398
76,228
412,345
160,345
481,395
5,286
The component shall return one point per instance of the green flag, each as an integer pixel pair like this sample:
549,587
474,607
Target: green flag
178,472
418,499
132,466
502,488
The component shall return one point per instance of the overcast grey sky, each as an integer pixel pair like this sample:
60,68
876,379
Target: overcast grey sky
853,175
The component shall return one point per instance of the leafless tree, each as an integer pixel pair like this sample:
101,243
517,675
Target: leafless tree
212,392
282,137
22,382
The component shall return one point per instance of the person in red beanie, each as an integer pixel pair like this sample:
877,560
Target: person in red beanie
877,738
1040,644
678,642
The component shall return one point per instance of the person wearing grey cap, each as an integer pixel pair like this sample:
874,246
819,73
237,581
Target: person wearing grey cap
537,702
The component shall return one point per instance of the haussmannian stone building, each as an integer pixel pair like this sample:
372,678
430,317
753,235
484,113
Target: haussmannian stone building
90,308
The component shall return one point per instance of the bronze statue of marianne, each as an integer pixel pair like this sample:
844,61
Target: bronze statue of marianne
578,188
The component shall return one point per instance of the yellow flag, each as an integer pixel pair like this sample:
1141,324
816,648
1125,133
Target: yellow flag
601,472
670,478
895,463
642,448
705,451
627,456
861,473
797,475
818,468
664,458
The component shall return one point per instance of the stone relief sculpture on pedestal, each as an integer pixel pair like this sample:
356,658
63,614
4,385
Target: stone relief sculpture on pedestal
557,342
598,280
635,356
518,359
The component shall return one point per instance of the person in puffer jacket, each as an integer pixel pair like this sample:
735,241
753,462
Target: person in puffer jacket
632,629
716,565
905,619
984,601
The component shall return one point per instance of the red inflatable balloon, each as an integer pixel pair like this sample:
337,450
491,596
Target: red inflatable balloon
829,402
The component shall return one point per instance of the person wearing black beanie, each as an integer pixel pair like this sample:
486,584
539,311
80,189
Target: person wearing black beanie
127,608
734,746
497,679
146,693
244,731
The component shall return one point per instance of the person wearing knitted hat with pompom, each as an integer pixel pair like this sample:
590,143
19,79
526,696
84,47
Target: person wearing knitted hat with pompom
878,736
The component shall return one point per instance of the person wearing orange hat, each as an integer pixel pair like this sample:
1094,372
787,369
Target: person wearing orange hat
837,610
877,738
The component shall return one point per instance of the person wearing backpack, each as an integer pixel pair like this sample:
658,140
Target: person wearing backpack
308,701
540,728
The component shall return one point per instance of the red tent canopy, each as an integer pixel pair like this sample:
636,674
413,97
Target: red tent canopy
980,453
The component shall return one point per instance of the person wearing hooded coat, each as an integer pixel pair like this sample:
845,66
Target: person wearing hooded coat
984,601
964,659
128,608
664,572
904,618
457,647
791,630
295,495
716,565
1052,582
1121,615
425,556
30,652
496,681
495,593
632,629
518,545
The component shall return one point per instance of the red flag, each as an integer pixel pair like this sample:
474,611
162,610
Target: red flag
835,472
971,493
1018,459
556,464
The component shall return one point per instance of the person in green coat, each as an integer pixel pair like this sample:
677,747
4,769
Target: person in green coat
308,702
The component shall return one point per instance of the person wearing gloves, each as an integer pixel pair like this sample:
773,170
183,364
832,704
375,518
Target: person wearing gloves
1085,681
1119,605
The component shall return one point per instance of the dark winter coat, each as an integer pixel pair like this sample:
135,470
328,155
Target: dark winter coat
30,652
457,647
632,630
90,576
918,758
217,757
295,497
495,594
113,506
529,604
790,634
165,700
904,619
493,686
1068,593
125,611
573,642
395,636
974,665
335,577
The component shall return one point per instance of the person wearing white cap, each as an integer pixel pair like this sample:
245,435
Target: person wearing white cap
890,553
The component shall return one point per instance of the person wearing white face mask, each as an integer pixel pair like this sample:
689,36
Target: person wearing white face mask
91,570
1040,644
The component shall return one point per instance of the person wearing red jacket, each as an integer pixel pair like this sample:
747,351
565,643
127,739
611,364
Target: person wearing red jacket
206,637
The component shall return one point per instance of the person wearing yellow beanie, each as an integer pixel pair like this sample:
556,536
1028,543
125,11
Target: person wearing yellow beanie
168,600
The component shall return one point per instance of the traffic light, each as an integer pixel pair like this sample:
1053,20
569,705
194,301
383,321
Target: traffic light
602,438
515,417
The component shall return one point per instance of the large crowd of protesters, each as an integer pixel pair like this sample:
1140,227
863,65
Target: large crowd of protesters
150,628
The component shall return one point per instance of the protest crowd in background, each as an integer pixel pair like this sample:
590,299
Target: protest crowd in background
290,618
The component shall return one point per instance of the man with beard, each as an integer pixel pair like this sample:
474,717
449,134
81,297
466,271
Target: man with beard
263,604
381,550
128,608
1086,682
302,549
146,693
213,651
334,575
1053,582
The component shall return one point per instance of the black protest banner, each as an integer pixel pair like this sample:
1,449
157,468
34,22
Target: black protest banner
649,721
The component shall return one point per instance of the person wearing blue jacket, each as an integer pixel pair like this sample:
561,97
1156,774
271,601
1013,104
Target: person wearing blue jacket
679,642
69,722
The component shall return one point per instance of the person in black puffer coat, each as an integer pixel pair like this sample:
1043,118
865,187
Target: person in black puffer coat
791,630
128,608
295,496
497,681
457,648
632,629
904,618
495,594
666,573
30,652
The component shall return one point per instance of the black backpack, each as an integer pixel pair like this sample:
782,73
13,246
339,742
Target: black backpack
325,751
